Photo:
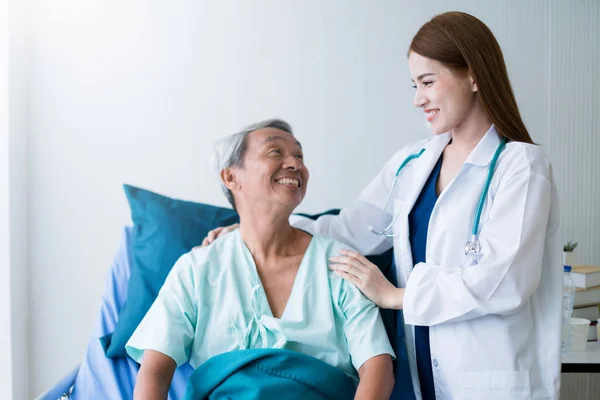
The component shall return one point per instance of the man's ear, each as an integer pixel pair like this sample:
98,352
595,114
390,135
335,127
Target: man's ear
229,179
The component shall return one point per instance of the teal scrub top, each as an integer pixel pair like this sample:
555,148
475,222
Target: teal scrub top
213,302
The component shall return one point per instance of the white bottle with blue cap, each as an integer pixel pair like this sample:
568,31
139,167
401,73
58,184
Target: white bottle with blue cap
568,302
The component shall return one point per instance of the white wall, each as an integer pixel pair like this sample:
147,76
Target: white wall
5,291
18,165
137,92
13,204
572,120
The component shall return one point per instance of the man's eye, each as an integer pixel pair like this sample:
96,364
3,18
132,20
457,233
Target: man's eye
275,152
300,156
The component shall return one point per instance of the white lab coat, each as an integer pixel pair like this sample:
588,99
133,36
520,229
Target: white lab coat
494,327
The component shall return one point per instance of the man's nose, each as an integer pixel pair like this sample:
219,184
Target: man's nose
292,163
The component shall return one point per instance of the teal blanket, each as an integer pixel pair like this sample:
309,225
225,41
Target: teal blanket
268,374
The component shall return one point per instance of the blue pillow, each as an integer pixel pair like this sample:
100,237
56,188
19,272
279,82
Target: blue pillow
163,230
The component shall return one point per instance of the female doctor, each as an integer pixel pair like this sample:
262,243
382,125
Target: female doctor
472,215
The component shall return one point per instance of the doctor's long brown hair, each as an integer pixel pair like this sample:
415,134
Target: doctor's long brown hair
464,44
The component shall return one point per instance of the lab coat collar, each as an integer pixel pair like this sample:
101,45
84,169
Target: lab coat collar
436,145
483,153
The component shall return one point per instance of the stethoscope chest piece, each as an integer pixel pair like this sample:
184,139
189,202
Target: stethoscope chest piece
473,247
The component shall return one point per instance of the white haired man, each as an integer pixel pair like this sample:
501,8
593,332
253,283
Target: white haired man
265,285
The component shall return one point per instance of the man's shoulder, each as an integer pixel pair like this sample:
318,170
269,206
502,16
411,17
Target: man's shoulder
330,245
208,256
221,243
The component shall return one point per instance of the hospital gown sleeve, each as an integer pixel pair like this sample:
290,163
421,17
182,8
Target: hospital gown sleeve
363,326
169,325
510,267
351,225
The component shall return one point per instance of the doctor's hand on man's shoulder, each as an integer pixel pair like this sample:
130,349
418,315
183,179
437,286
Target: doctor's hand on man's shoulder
368,278
216,233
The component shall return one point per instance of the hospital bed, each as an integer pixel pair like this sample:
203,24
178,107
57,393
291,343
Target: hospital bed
100,377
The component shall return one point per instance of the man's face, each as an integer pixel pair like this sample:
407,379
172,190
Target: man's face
273,171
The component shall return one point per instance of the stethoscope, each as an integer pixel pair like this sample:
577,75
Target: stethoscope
472,247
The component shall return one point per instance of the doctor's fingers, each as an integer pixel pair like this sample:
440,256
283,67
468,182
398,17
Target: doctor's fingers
349,261
355,255
350,265
366,266
349,277
213,234
204,243
348,269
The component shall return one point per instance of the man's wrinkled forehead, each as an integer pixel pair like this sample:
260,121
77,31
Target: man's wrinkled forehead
267,136
270,139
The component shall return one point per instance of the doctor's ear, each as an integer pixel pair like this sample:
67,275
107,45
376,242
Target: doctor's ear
229,179
473,84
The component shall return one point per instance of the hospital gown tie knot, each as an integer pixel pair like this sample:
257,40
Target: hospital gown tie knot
256,330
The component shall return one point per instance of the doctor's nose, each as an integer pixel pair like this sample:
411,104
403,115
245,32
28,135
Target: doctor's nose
419,100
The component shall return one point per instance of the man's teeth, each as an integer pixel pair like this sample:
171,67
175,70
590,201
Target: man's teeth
286,181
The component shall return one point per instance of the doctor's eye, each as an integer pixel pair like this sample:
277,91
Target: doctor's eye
427,83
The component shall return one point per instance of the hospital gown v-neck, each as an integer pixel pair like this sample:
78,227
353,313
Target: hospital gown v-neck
213,302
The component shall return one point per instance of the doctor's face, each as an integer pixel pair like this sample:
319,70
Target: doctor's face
273,171
447,98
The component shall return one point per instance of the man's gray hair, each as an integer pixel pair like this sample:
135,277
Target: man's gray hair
230,151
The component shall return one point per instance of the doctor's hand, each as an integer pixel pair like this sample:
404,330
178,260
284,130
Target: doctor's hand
366,276
216,233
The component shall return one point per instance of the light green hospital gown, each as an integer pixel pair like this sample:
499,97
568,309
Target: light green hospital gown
213,302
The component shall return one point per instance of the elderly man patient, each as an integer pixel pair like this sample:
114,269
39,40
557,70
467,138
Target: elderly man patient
266,285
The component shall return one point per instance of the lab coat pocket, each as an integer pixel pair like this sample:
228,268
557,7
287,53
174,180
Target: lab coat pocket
492,385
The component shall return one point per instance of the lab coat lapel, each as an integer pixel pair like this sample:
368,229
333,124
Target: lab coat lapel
480,157
422,169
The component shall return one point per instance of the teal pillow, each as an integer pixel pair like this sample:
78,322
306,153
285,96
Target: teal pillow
163,230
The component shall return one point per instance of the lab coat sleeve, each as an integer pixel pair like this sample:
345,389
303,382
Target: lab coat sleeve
352,224
510,267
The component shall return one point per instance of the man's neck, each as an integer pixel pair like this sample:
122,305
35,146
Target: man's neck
267,235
